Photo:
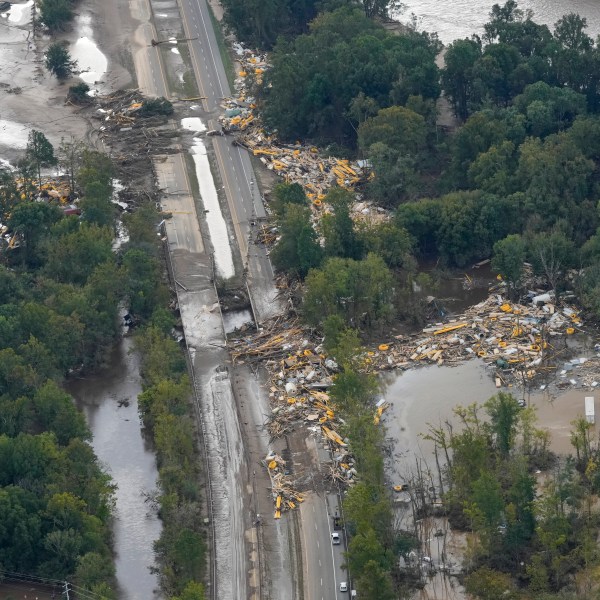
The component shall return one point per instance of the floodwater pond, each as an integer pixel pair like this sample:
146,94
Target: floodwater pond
108,398
428,395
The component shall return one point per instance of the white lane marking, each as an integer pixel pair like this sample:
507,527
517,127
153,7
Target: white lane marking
211,50
252,196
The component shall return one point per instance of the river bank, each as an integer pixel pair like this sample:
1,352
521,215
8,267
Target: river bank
108,399
31,98
468,16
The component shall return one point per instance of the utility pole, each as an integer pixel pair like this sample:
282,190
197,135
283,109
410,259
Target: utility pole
66,590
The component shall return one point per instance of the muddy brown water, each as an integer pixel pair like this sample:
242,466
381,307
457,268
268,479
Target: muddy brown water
108,399
426,395
459,289
429,394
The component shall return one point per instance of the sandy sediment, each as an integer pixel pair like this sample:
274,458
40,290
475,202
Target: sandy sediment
31,98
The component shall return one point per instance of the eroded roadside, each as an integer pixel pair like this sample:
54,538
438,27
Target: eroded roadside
252,553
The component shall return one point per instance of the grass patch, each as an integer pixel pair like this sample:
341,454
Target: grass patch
223,50
189,86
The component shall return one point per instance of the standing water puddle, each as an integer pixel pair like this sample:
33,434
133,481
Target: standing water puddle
85,52
208,192
236,319
20,13
109,401
13,135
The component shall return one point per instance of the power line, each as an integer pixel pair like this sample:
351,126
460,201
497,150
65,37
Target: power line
28,577
83,593
67,587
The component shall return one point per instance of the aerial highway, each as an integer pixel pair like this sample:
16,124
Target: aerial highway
237,174
322,560
233,461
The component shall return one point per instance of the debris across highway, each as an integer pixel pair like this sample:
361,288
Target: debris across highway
284,496
297,163
517,341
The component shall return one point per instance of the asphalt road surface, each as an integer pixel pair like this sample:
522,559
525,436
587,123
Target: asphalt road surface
239,179
236,569
322,560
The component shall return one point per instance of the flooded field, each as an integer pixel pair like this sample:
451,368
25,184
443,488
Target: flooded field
429,394
109,402
90,60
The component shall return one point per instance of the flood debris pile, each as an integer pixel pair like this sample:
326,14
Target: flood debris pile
302,164
136,124
285,497
135,129
239,112
580,372
519,341
296,163
299,373
54,190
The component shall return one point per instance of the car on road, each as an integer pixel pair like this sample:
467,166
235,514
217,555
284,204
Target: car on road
343,586
335,538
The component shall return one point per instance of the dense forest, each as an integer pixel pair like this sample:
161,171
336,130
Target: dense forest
531,514
515,179
62,283
261,22
59,291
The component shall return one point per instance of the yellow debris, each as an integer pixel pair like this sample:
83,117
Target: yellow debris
450,328
333,436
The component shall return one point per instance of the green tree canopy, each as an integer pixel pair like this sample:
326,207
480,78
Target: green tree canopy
315,79
297,250
58,60
358,291
39,152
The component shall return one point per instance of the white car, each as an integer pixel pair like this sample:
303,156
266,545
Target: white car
343,586
335,538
